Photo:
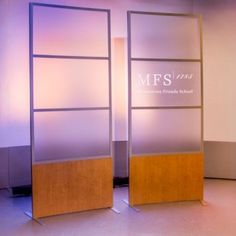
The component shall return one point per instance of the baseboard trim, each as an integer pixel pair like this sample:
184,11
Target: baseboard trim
220,159
25,190
218,178
120,182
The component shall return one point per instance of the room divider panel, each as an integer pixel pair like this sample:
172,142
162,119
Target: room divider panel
70,84
165,107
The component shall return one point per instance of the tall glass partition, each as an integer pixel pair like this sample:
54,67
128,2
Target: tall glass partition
165,98
165,85
70,84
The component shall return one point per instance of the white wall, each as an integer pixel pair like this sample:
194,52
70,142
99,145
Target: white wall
14,75
14,62
219,49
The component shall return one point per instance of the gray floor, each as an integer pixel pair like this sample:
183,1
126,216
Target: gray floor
182,218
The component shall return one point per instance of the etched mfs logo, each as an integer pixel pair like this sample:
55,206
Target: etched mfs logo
154,79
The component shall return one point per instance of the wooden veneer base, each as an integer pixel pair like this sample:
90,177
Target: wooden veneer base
165,178
71,186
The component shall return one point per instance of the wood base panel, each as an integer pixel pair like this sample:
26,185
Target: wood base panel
71,186
165,178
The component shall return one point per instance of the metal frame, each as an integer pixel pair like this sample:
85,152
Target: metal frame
130,59
165,59
31,65
70,57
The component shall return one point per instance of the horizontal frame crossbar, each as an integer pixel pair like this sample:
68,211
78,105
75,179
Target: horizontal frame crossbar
71,109
164,14
151,154
69,57
165,59
71,159
166,107
67,7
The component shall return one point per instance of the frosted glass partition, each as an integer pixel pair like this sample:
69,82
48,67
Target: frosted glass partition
73,134
63,31
164,36
165,83
166,131
156,83
70,82
62,83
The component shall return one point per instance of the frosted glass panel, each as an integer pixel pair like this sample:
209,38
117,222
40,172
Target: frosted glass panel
63,83
70,32
154,36
65,135
166,131
166,83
